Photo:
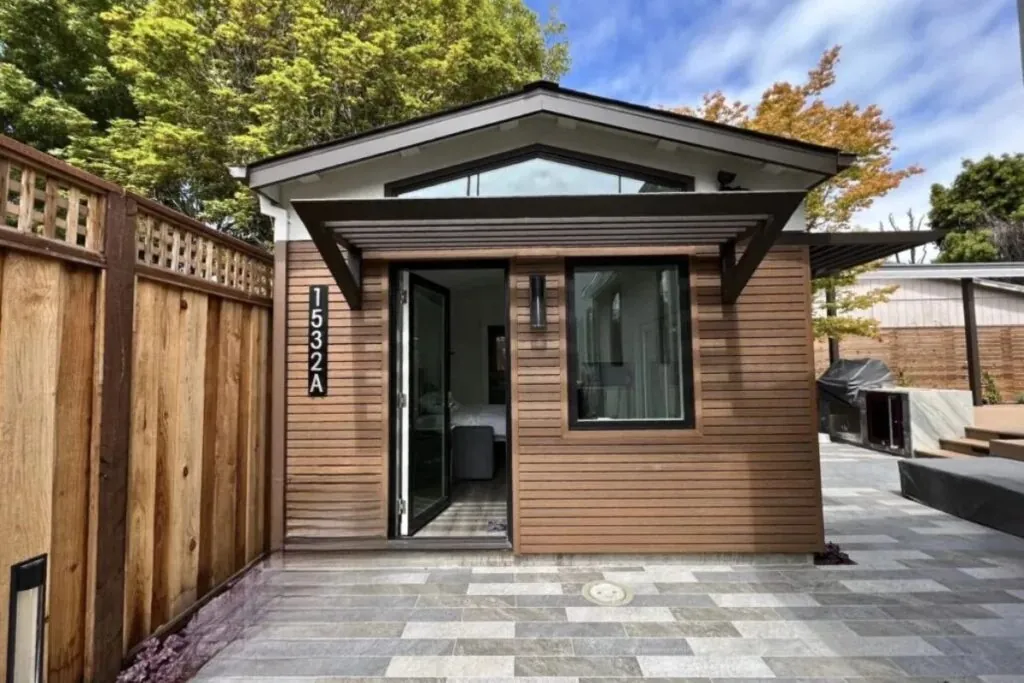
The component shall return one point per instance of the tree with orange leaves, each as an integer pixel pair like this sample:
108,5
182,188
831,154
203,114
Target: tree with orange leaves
798,111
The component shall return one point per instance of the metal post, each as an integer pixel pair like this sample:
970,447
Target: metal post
971,332
830,312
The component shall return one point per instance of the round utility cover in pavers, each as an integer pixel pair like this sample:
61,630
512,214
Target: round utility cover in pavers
607,593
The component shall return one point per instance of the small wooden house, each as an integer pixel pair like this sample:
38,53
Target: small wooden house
550,322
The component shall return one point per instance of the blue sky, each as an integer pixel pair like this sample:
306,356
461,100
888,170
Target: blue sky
948,72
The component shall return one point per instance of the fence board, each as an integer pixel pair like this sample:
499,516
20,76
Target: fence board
68,554
31,317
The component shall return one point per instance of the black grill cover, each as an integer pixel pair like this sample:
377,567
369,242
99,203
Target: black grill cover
848,376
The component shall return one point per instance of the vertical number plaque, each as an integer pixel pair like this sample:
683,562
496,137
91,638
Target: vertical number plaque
317,340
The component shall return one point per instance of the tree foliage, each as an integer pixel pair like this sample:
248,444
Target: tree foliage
983,208
215,83
55,74
799,111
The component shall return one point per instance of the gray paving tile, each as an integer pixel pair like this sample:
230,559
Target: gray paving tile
976,612
514,646
474,667
551,601
334,666
630,646
792,629
831,667
618,614
514,589
463,601
360,614
1004,628
831,612
902,586
703,588
760,647
568,630
763,600
674,600
459,629
920,627
516,614
878,646
343,647
690,629
577,666
328,631
725,613
1013,610
1009,649
713,667
313,602
957,665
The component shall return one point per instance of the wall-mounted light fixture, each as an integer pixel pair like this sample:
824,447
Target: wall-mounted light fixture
538,307
27,621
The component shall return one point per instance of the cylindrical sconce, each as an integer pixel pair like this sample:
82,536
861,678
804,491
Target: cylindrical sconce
538,307
27,621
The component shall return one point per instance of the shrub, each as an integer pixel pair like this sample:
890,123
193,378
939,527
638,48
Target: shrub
989,391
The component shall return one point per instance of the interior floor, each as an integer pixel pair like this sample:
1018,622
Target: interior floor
478,508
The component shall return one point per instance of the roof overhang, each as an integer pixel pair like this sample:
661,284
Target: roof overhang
658,219
834,252
546,98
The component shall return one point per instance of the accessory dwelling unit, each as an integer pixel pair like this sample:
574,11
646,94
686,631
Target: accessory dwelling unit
552,322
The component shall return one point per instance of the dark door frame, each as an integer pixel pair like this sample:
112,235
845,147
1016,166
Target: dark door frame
418,522
394,303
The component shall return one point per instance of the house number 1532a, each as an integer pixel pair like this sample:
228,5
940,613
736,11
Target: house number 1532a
317,341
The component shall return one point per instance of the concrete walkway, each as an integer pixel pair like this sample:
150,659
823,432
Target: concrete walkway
932,598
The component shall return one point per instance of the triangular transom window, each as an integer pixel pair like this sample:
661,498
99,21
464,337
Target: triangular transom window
537,173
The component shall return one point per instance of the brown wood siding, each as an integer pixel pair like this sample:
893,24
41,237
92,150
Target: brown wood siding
936,357
337,446
745,480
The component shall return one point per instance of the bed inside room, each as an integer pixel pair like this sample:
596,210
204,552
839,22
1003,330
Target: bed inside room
477,404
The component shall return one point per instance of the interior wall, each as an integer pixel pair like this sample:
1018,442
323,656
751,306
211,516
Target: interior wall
473,309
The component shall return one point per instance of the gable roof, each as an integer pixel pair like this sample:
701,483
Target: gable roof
545,97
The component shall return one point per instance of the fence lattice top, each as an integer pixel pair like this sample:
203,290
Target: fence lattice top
47,205
44,199
175,247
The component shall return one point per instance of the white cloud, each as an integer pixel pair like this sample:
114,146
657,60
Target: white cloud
948,72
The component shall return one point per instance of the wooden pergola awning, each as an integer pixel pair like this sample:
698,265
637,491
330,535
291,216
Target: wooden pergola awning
834,252
724,219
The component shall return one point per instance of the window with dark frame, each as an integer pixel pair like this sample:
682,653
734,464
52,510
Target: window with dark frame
630,355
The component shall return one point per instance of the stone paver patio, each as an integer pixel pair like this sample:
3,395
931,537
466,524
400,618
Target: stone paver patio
932,598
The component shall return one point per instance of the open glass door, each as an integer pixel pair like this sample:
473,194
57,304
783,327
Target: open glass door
423,415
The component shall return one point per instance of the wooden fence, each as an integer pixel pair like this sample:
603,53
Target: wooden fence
936,357
134,361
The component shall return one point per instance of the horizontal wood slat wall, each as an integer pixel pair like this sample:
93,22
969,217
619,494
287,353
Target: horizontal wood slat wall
746,480
936,357
336,465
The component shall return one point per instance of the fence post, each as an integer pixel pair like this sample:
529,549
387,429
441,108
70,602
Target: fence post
115,437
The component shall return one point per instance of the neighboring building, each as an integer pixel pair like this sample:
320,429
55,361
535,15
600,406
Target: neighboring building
552,323
922,325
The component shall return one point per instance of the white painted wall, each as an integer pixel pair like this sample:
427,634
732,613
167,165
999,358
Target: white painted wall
366,180
938,303
473,310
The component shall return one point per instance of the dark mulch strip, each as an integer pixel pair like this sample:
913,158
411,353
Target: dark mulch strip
832,554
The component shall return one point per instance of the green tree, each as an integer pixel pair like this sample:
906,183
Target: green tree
225,82
55,75
801,111
983,210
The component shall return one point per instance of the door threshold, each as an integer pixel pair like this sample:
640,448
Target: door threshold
450,543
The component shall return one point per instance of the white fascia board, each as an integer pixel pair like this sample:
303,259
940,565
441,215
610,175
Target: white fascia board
651,124
945,271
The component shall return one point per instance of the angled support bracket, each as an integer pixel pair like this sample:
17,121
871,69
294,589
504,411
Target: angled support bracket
347,272
736,275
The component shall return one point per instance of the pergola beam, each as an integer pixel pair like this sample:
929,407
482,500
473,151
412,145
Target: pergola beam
350,284
971,338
